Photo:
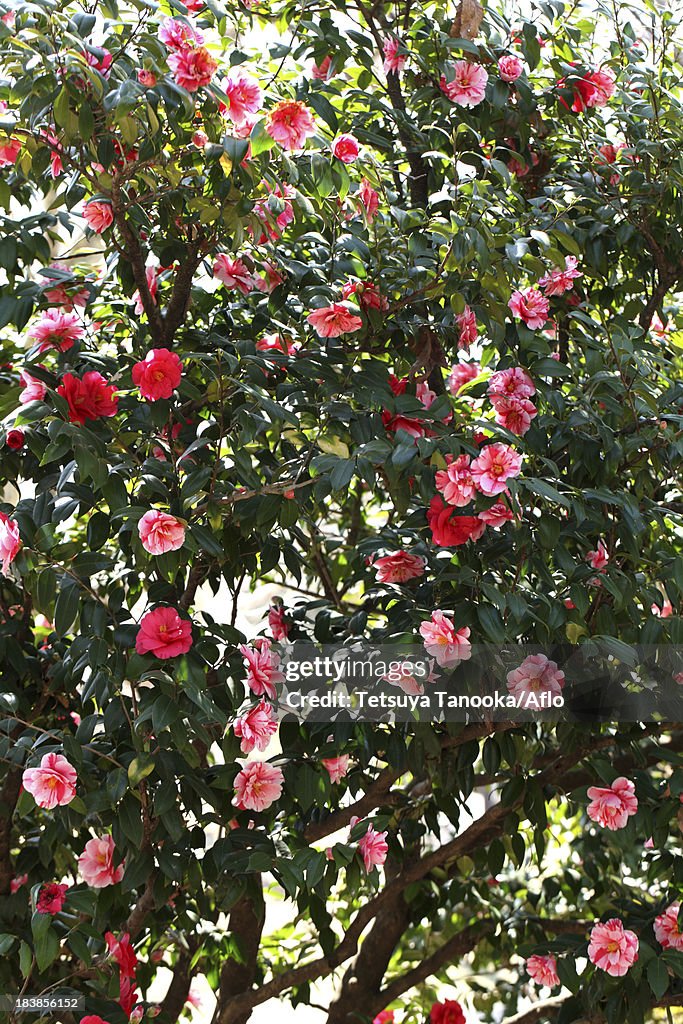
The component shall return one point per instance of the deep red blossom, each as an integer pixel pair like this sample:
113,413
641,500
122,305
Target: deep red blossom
450,530
89,397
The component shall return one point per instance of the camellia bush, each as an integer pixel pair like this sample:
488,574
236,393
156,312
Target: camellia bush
371,306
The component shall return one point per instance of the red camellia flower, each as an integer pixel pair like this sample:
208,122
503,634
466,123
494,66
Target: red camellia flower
290,122
51,898
164,634
448,1012
89,398
449,530
15,439
158,375
192,67
345,147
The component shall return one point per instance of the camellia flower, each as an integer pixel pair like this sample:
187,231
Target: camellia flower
543,969
234,274
337,767
89,397
277,620
467,324
96,864
14,439
460,374
146,78
511,383
98,215
385,1017
665,611
373,848
510,68
515,414
394,62
558,280
321,71
468,87
366,294
456,482
263,673
258,786
592,89
530,306
192,67
17,883
176,33
538,675
122,952
450,530
497,515
666,928
9,152
447,1012
244,93
495,464
399,567
369,200
160,532
93,1018
152,276
612,947
56,329
10,542
164,634
290,123
598,559
53,783
612,806
256,727
345,147
443,642
332,321
158,375
51,897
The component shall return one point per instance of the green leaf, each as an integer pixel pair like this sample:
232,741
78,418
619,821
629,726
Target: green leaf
658,978
66,607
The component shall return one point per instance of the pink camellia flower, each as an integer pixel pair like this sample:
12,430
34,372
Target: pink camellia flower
146,78
96,864
56,329
603,83
337,767
321,71
256,727
244,93
447,1012
543,969
665,611
510,68
98,215
468,87
15,439
456,483
367,294
443,642
467,325
369,200
258,786
535,675
497,515
199,139
160,532
89,397
17,883
394,62
515,414
495,464
612,806
345,147
53,783
277,620
511,383
290,123
10,542
262,666
461,374
558,280
373,848
612,947
152,276
9,152
234,274
100,61
176,34
666,928
158,374
385,1017
399,567
192,67
530,306
274,224
598,559
51,897
332,321
164,634
450,530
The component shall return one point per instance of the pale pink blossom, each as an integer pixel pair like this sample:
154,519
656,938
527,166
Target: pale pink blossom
10,541
456,482
510,67
558,280
612,947
612,806
667,932
234,274
290,123
394,62
244,93
543,970
345,147
495,464
461,374
176,33
98,215
332,321
665,611
598,559
56,329
96,863
258,786
373,848
468,87
337,767
515,414
53,783
497,515
277,620
256,727
152,276
160,532
530,306
467,325
511,383
262,665
399,567
537,675
443,642
34,390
